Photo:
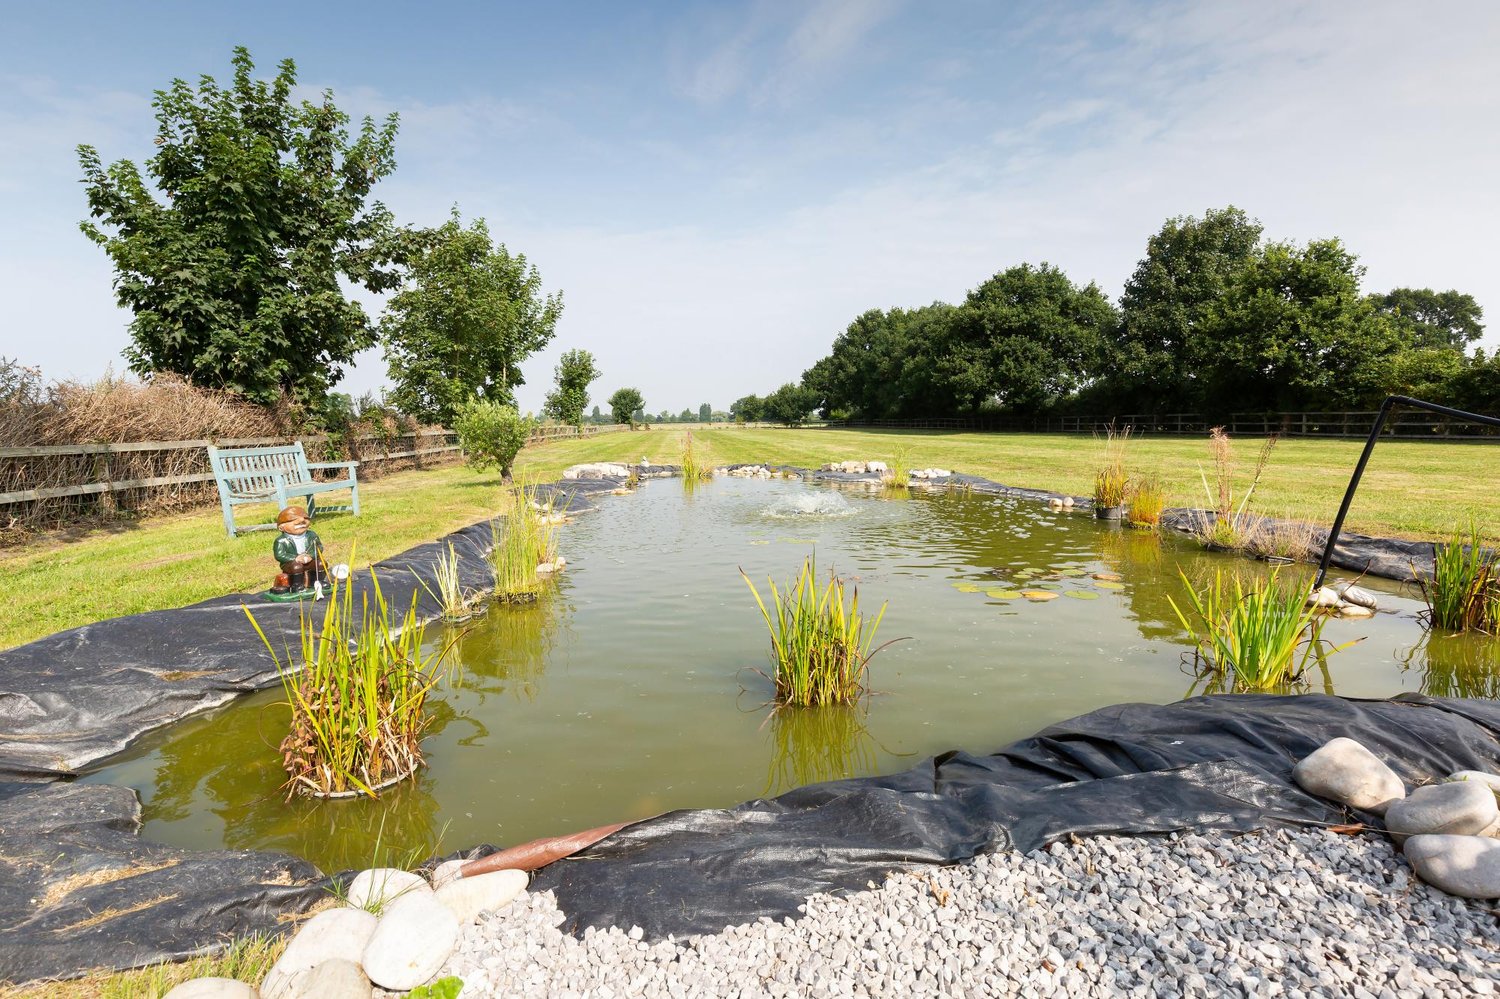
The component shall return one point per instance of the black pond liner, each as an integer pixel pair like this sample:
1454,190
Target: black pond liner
80,891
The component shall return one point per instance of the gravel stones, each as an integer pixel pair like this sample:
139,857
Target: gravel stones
412,940
1463,808
1466,866
1345,771
468,897
381,886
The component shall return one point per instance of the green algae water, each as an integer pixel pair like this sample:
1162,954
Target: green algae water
634,686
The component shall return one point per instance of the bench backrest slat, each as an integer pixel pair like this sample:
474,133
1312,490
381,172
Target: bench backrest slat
253,468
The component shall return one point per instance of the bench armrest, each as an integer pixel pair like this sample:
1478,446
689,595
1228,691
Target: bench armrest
333,464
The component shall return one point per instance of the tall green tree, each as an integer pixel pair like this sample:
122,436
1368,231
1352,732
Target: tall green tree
1433,318
1157,348
230,247
789,405
747,409
705,413
468,314
574,372
625,404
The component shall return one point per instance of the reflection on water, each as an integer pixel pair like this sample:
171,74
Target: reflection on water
619,694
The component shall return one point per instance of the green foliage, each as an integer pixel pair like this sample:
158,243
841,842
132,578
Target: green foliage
747,409
1111,481
789,405
358,696
230,255
820,642
625,403
443,988
1464,593
705,413
1259,637
491,434
1148,497
451,596
524,534
574,371
1445,320
466,317
693,470
1229,526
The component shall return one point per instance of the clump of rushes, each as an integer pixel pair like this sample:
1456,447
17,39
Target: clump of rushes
1464,592
358,697
693,471
1147,500
522,540
820,641
1260,637
1112,482
453,599
897,476
1282,541
1226,525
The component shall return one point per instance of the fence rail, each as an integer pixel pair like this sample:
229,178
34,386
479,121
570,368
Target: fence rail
1353,425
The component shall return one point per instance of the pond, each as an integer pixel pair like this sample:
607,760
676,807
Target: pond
633,688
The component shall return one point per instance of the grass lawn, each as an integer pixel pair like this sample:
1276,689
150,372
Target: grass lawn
1410,489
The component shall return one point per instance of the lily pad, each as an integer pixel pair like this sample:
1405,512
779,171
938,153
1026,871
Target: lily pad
968,588
1108,577
1039,596
1106,584
1003,594
1082,594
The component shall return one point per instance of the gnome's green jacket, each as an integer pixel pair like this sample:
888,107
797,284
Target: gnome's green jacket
284,549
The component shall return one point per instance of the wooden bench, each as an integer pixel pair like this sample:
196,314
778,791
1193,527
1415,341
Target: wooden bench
275,474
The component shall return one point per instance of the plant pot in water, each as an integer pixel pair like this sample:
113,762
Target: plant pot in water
1109,512
356,793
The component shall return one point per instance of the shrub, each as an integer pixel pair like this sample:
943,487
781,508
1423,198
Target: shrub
820,642
491,434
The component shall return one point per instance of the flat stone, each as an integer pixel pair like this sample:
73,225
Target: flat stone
1323,596
1342,770
213,988
1355,610
1357,595
1467,866
382,885
1491,780
335,979
1459,808
334,934
468,897
415,936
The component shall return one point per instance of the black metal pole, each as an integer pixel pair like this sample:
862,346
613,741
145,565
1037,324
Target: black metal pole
1390,403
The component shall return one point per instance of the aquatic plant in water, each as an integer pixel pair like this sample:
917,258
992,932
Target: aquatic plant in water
1258,637
1464,591
358,696
454,599
1147,500
693,470
1227,525
523,538
820,640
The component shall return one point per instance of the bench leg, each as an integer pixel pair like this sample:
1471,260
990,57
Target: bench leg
228,518
354,499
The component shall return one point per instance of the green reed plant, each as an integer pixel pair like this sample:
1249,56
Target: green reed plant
693,469
523,537
1228,525
1285,540
1258,637
454,599
1464,591
1147,500
897,475
358,695
1111,481
821,643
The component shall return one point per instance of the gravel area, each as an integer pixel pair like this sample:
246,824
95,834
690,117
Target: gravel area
1285,913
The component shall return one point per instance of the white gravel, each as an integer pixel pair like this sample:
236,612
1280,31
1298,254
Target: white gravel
1288,913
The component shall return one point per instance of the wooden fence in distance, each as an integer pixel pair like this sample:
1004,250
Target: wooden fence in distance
1352,425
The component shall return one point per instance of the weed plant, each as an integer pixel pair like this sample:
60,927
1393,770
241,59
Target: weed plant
897,476
358,697
522,540
693,470
454,600
1257,637
1227,525
1464,592
247,959
821,643
1147,500
1284,540
1111,481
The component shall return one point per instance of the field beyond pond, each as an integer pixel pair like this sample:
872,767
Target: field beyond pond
1410,490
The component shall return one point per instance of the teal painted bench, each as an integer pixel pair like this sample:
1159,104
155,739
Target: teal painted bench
275,474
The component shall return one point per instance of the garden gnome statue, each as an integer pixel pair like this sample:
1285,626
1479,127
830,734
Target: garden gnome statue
300,553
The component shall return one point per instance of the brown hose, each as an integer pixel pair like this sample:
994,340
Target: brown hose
539,852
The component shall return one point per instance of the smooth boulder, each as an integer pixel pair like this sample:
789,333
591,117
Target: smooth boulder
1356,595
1458,808
1345,771
213,988
335,979
1466,866
468,897
1492,781
334,934
380,886
413,939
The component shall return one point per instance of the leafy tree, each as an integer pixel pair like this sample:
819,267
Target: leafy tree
1158,348
231,255
595,416
705,413
463,322
790,404
1433,318
575,370
747,409
686,416
1293,332
625,404
491,433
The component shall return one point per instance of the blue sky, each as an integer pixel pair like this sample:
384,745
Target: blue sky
719,188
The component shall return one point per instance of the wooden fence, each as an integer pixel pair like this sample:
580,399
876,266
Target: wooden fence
1405,425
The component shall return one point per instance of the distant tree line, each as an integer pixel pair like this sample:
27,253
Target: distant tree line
1215,319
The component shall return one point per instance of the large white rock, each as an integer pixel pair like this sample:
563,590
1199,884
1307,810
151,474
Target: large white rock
415,936
599,470
1492,781
1467,866
1323,596
335,979
468,897
447,871
877,466
333,934
1356,595
1345,771
1459,808
213,988
380,886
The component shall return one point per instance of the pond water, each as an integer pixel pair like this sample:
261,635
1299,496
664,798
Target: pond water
633,688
